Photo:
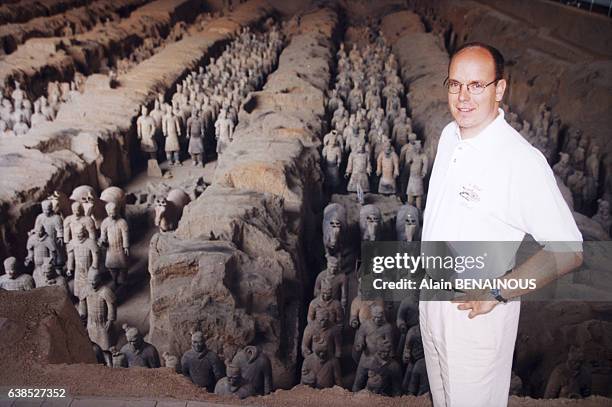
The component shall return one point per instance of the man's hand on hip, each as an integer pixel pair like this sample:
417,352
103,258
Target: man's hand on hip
478,302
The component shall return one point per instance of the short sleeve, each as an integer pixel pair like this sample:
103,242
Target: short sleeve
541,210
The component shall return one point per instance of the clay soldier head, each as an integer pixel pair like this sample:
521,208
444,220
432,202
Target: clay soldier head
94,277
333,266
77,209
417,146
234,376
40,231
10,267
384,349
326,290
322,318
134,338
111,210
410,226
197,342
378,315
144,111
47,207
376,381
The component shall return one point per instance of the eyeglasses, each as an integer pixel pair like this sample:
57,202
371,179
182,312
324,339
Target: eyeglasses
474,88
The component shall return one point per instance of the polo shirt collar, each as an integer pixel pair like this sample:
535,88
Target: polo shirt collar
486,138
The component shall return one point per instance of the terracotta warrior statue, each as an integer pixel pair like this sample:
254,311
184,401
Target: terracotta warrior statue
332,154
195,133
146,129
224,129
99,309
50,277
418,163
361,310
387,168
415,377
563,168
82,255
388,371
234,384
359,169
571,379
336,278
40,247
323,330
603,215
12,280
171,129
320,370
114,233
256,369
202,366
326,301
54,227
137,352
74,221
367,334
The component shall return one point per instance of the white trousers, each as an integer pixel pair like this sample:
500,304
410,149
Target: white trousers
469,361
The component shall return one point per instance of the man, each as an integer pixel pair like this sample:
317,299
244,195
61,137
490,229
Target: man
487,184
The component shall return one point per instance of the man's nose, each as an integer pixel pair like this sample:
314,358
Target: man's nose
463,93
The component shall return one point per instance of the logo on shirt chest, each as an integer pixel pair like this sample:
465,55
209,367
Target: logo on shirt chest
470,194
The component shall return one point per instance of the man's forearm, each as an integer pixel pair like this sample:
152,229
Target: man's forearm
543,267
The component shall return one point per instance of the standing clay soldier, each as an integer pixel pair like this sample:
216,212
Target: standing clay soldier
418,163
234,384
320,370
592,162
361,310
82,255
50,277
322,330
195,133
40,247
336,278
54,227
571,379
415,380
114,233
387,168
171,129
77,219
137,352
563,168
326,301
20,128
576,183
332,154
369,332
202,366
18,94
99,309
12,280
146,129
256,369
603,215
382,363
223,131
358,169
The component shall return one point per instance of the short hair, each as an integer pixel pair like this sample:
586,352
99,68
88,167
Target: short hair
498,58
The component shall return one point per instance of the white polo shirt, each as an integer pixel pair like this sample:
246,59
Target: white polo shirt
494,187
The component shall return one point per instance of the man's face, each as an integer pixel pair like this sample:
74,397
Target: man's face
378,316
474,112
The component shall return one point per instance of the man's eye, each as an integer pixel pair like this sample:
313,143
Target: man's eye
476,85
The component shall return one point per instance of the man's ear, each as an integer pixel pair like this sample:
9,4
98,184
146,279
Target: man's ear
500,88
